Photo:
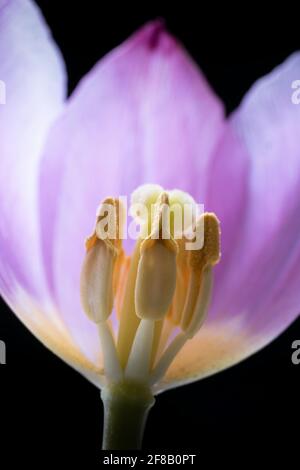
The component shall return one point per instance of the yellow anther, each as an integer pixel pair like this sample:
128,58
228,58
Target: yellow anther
200,262
109,222
156,277
209,253
96,284
156,280
103,249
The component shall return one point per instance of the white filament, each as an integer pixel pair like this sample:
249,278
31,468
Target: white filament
138,365
112,367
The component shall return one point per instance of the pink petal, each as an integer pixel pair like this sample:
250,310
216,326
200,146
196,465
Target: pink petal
32,69
143,114
258,282
34,76
256,293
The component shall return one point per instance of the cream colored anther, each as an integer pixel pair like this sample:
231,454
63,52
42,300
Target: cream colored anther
156,276
96,286
156,281
200,280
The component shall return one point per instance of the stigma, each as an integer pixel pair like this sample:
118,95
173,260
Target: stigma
146,306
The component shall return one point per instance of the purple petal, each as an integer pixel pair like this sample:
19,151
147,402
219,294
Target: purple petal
143,114
34,75
259,279
256,295
32,72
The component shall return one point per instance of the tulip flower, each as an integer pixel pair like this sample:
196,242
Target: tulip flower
144,123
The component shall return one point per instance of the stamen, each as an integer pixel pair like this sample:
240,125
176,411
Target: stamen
210,253
98,268
167,329
167,358
199,292
182,282
155,286
198,260
156,277
180,340
129,321
158,329
97,282
191,299
109,224
97,279
156,280
162,289
112,365
121,272
201,307
138,366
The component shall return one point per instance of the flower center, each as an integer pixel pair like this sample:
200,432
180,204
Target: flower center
161,293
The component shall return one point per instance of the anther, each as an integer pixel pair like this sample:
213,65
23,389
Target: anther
200,281
209,253
98,268
97,282
156,276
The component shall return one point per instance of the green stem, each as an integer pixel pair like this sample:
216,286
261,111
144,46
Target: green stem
126,408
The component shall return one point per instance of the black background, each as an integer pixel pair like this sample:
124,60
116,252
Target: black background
253,407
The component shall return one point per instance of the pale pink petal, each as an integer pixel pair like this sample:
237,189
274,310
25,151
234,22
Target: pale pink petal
33,86
33,73
256,293
143,114
261,257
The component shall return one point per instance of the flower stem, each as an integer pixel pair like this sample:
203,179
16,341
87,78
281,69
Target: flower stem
126,408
